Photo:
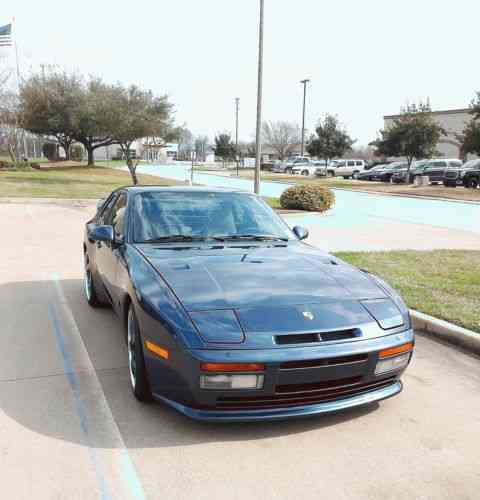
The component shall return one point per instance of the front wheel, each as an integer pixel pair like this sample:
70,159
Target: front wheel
305,173
288,171
472,183
136,361
355,175
330,173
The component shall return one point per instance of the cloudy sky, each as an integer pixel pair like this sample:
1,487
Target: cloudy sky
365,58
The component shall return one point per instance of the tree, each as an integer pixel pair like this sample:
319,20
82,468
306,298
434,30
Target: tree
414,135
201,147
140,114
12,134
47,104
331,141
185,143
282,137
224,147
470,138
96,116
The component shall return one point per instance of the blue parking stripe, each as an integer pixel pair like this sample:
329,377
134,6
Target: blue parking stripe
78,403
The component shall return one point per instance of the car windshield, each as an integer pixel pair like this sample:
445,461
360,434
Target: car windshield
201,215
471,164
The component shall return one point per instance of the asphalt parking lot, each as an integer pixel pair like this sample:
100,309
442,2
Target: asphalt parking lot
70,428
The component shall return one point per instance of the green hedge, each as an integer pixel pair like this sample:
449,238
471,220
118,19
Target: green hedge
311,198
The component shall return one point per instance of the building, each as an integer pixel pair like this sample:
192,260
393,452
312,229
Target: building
453,121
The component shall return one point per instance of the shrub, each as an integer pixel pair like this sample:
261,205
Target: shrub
50,151
311,198
76,152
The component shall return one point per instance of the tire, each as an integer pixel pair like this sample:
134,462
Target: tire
330,173
90,285
136,361
472,183
305,173
355,175
288,171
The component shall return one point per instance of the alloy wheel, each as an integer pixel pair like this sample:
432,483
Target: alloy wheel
131,344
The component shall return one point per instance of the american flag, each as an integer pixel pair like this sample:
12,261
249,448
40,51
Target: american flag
6,35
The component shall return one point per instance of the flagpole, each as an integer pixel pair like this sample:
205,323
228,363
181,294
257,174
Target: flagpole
17,64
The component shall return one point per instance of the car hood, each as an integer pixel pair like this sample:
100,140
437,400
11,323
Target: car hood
259,276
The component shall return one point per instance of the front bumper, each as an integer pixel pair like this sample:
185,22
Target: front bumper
299,381
287,413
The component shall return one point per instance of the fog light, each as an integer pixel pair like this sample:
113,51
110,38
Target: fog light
392,364
228,381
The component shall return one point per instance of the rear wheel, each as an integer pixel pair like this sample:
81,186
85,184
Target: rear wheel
288,171
305,173
136,360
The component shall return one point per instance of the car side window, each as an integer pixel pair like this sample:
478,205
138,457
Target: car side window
441,164
116,217
106,210
350,164
359,163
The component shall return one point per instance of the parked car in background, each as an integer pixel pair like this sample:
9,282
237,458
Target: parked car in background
435,169
455,176
286,167
384,173
400,175
309,168
347,168
368,175
471,175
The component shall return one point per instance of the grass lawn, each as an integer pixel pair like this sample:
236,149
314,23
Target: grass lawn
442,283
70,183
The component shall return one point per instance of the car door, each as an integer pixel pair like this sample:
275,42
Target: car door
108,254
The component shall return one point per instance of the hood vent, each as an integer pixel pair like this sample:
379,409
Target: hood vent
309,338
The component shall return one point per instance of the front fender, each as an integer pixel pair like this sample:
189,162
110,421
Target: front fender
161,311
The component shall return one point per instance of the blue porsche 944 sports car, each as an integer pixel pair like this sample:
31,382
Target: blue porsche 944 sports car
230,316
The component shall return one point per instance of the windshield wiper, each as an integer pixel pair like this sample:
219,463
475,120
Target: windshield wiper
255,237
175,238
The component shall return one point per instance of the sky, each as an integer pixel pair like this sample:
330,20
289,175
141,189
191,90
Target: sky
365,59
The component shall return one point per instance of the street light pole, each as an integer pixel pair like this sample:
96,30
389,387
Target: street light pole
258,156
303,118
237,103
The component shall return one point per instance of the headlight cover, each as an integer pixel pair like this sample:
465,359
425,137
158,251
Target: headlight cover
218,327
385,312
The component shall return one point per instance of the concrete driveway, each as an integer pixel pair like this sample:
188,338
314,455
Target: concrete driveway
70,428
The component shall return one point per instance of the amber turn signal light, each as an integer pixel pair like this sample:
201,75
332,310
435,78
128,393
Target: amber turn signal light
232,367
159,351
393,351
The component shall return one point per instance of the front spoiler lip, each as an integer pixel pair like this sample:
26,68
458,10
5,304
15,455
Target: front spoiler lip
288,412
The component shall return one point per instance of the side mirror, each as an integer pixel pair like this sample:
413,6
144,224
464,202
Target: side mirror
102,233
100,203
300,232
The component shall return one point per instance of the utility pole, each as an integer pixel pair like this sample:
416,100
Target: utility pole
303,119
259,100
237,103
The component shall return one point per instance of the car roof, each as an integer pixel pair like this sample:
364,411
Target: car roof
179,189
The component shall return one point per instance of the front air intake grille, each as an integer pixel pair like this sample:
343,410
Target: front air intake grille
329,391
315,363
308,338
451,174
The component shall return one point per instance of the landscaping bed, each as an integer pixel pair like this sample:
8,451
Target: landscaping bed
442,283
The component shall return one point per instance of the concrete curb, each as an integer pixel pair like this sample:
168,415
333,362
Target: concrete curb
446,331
